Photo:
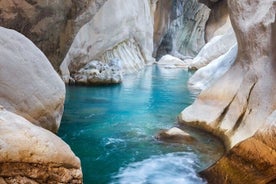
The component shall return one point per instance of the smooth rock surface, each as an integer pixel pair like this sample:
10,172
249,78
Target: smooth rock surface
216,47
240,107
206,76
30,154
116,22
29,85
172,62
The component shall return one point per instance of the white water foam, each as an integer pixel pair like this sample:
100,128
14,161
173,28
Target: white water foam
172,168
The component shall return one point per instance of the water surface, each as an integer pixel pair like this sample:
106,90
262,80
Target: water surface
112,128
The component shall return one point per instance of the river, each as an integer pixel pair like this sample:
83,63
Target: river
112,130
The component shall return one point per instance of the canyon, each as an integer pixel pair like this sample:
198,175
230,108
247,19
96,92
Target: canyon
230,44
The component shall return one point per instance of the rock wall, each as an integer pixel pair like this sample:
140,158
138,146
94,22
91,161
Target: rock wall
220,52
30,154
51,25
29,85
115,23
240,107
185,35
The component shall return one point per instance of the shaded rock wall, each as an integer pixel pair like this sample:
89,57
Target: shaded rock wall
240,107
51,25
29,85
185,35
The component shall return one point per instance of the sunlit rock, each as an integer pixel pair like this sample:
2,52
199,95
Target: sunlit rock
239,107
124,24
172,62
218,46
30,154
29,84
206,76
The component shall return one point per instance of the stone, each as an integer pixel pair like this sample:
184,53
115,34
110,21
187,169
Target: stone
29,84
97,72
172,62
175,135
206,76
31,154
185,34
51,25
240,106
127,33
216,47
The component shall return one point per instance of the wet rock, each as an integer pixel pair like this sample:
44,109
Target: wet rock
175,135
97,72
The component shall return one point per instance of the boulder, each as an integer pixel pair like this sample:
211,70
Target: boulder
172,62
31,154
96,72
175,135
29,84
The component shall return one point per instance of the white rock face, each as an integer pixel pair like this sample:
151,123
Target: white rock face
116,22
237,105
216,47
29,85
96,72
206,76
33,153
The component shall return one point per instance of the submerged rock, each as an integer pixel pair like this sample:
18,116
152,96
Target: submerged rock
97,72
29,84
30,154
175,135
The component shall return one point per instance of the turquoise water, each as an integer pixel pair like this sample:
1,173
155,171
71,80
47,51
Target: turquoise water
112,130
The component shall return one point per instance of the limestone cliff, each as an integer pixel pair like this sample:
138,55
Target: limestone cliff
29,85
51,25
240,107
120,29
30,154
186,31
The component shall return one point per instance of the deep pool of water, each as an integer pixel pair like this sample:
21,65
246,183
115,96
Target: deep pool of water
112,130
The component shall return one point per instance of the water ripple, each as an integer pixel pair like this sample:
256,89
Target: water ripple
176,168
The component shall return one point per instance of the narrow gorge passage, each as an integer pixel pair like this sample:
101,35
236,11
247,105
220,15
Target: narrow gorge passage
112,129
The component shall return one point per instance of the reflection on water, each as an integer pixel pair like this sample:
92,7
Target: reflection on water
112,129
